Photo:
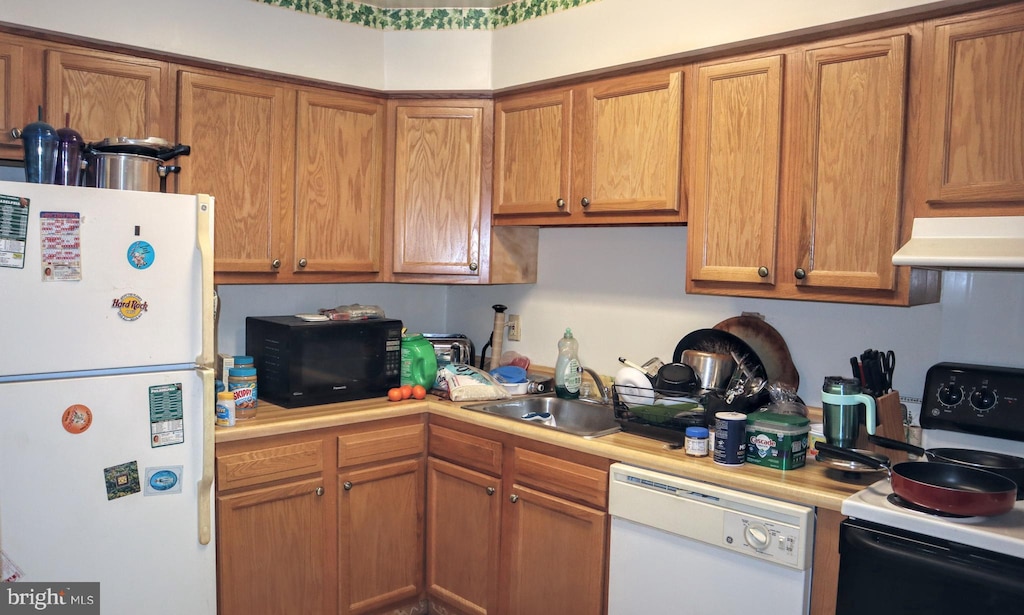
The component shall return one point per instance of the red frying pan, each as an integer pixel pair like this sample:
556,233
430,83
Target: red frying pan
944,487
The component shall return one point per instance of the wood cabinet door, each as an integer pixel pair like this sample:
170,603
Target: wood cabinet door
734,210
850,165
555,552
532,148
440,211
977,102
271,556
463,534
12,101
108,95
380,535
241,134
627,157
339,184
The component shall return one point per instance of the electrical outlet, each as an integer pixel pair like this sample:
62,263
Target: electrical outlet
515,328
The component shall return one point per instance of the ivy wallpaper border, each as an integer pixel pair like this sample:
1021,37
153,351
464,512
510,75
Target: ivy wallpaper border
514,12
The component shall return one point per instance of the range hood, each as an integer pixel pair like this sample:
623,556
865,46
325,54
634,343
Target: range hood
995,242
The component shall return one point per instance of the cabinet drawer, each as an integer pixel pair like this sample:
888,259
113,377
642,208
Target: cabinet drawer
378,444
562,478
466,449
269,464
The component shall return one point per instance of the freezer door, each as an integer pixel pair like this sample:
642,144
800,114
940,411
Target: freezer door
100,482
110,279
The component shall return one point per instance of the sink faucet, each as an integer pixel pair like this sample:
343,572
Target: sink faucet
606,394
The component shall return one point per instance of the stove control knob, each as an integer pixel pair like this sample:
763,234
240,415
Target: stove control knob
983,399
950,394
757,536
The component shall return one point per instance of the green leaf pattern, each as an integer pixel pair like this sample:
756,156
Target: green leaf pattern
516,11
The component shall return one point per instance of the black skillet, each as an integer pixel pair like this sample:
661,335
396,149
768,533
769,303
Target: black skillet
1006,465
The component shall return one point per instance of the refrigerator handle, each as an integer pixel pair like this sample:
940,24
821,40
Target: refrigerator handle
204,241
206,479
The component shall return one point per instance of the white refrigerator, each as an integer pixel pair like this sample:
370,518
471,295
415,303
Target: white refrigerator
106,399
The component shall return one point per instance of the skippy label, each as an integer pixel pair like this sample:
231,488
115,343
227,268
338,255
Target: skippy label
245,395
130,306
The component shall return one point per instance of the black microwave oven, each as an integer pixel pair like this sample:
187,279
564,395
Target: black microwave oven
303,363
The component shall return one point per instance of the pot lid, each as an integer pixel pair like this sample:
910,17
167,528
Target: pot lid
125,145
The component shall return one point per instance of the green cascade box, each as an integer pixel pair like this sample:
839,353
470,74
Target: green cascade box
777,440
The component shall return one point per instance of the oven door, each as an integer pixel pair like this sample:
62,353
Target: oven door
885,571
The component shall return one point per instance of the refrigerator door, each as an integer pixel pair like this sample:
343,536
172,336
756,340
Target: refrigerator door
100,482
109,279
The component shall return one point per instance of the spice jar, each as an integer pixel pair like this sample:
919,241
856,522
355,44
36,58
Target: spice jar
225,409
696,441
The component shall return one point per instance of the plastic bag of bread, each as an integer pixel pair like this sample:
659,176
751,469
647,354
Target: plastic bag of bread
467,383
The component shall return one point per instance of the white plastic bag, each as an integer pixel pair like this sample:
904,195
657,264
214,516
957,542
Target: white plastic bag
467,383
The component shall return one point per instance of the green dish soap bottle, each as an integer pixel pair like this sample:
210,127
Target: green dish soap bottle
568,374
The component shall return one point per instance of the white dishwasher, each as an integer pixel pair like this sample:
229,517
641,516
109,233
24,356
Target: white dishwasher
684,547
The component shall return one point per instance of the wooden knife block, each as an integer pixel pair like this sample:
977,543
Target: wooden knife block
890,425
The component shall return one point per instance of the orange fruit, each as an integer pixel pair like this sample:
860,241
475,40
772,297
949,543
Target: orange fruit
419,392
406,391
395,394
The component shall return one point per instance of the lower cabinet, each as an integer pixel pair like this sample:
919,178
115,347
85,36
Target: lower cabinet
514,530
322,522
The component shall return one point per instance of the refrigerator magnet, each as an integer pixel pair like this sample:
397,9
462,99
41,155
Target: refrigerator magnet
141,254
13,230
76,419
122,480
163,480
130,306
166,415
60,245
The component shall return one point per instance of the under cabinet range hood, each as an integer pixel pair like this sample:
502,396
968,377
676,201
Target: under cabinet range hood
995,242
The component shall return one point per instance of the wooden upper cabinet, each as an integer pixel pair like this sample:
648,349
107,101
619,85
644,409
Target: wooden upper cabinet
533,139
850,167
604,152
339,183
441,210
735,202
108,95
12,99
242,153
976,93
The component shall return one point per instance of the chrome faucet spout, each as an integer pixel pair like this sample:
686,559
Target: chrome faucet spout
606,394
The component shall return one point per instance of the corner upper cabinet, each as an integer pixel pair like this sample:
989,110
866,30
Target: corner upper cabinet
975,89
240,131
439,197
605,152
12,97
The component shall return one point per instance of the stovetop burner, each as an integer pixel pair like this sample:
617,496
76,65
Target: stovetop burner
907,504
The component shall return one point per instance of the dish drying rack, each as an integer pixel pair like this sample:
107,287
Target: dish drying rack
666,421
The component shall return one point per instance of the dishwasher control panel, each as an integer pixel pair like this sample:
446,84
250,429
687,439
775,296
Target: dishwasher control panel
761,537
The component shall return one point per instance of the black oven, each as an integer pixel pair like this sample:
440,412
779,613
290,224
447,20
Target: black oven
886,571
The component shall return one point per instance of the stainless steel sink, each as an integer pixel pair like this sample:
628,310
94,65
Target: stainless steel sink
579,417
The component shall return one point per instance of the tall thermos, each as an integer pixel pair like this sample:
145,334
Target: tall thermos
841,400
41,143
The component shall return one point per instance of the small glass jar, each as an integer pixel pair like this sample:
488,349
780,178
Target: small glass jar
225,409
696,442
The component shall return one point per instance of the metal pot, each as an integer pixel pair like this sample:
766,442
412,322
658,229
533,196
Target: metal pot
713,370
131,164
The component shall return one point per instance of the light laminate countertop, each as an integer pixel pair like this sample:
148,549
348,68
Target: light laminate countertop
814,484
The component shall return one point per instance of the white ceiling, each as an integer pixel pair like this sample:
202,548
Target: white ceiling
436,4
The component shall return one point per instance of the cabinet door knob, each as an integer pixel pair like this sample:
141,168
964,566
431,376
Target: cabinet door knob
800,273
473,266
490,491
347,485
302,262
762,271
585,202
560,203
319,491
276,263
15,133
513,498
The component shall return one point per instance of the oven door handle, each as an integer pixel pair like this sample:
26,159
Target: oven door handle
961,561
